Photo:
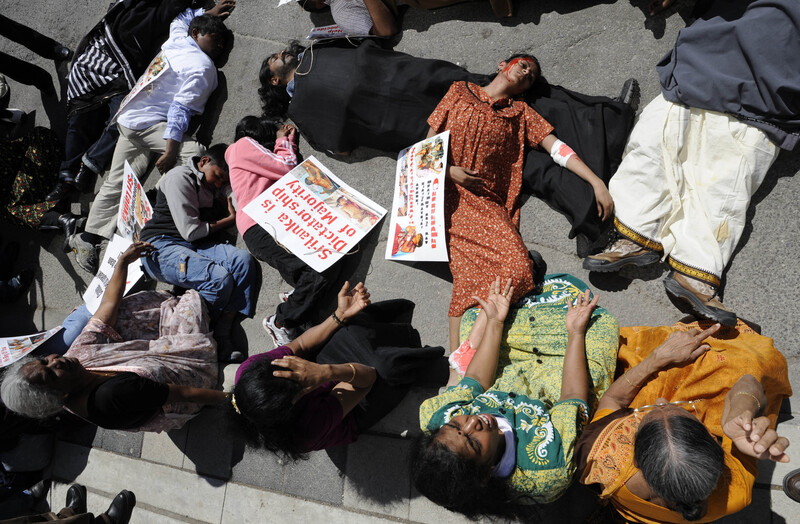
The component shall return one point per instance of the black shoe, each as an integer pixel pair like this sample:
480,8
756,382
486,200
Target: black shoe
62,52
539,266
69,224
76,498
84,180
39,490
630,93
16,286
60,192
121,508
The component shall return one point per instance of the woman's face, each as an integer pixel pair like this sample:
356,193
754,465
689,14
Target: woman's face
520,73
474,437
53,371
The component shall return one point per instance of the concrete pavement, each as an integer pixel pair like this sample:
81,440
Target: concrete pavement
586,46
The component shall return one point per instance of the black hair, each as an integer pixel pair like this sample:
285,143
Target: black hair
262,130
207,25
681,462
456,483
216,154
268,417
274,98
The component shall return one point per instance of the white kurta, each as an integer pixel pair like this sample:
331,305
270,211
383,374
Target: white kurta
685,183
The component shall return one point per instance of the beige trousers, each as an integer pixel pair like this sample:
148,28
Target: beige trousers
138,148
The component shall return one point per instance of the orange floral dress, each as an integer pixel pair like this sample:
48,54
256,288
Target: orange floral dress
488,137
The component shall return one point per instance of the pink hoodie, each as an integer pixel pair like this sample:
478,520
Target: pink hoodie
253,168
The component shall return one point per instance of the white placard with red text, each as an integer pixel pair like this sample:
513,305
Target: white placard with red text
314,214
97,287
416,227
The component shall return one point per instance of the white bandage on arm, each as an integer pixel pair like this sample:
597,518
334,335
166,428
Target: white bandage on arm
561,152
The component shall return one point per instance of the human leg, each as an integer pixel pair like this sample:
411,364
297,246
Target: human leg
309,285
98,156
241,267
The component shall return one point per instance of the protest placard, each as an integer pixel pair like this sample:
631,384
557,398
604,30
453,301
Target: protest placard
134,207
416,229
314,214
14,348
94,293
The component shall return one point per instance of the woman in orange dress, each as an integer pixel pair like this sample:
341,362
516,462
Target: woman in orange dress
705,404
489,130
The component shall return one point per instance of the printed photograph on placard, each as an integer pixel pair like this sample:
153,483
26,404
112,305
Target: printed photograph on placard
14,348
416,231
134,207
314,214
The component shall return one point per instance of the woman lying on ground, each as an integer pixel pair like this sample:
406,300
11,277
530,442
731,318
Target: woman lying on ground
678,435
504,435
346,95
146,367
489,132
287,403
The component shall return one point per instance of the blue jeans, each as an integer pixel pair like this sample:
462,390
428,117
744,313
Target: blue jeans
223,274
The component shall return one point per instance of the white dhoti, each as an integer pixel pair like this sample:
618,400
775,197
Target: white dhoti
685,183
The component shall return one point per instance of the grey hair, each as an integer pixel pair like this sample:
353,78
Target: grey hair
30,400
681,462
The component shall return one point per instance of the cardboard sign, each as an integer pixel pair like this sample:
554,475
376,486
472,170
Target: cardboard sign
14,348
97,287
314,214
134,207
416,230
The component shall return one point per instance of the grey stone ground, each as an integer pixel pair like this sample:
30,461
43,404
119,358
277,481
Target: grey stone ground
585,46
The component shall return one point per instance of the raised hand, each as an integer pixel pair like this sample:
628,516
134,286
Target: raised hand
580,312
222,9
351,302
755,438
497,303
135,251
684,347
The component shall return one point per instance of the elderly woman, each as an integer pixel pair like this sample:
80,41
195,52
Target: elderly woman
505,434
144,367
289,404
678,435
489,132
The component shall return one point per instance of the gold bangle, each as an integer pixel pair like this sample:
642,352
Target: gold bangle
354,373
631,384
337,319
750,395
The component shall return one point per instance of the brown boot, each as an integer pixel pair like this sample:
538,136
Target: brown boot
502,8
621,253
702,297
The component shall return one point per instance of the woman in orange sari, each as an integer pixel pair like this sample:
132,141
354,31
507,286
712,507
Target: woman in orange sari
677,436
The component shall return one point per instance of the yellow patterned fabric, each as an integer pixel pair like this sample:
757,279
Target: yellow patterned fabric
528,387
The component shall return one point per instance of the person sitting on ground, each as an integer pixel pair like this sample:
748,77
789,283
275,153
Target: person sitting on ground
679,434
185,256
147,370
154,118
359,17
383,99
107,62
261,155
489,131
702,148
504,435
75,510
365,353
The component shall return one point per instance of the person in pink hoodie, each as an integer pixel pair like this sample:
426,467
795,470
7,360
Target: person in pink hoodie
262,154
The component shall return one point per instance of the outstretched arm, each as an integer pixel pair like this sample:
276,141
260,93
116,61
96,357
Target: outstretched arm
483,366
350,303
574,377
112,298
197,395
743,422
605,204
679,349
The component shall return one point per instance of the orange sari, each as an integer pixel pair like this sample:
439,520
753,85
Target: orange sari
734,352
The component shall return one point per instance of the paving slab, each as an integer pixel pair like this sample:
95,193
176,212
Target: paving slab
260,469
377,476
164,448
319,477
